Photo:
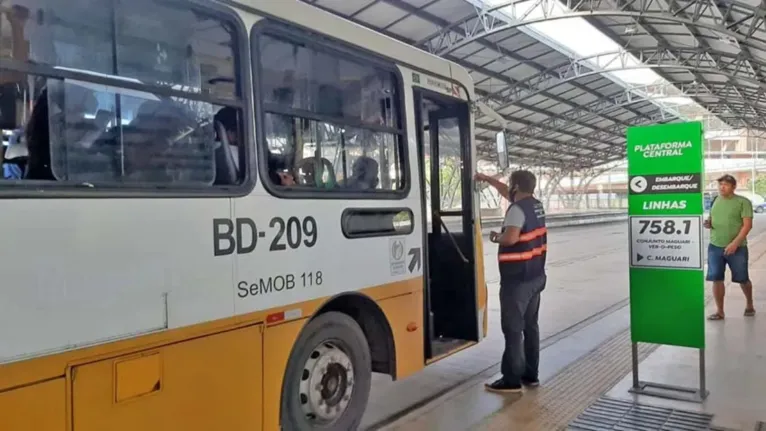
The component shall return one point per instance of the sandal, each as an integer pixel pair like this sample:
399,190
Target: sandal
750,312
715,316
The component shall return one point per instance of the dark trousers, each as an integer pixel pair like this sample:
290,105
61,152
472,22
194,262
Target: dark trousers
519,312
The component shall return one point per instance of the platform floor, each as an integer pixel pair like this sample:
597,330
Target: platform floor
735,362
586,266
590,357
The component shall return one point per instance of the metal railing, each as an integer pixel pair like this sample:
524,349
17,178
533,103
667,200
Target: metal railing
490,223
568,219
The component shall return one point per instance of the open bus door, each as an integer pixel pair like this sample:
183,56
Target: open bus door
445,160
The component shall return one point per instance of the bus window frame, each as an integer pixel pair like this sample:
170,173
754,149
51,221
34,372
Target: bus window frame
42,189
362,211
342,50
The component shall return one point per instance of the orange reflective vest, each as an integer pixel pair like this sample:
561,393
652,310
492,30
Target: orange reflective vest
525,260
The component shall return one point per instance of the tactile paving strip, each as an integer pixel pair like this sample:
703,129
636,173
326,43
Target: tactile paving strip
610,414
560,400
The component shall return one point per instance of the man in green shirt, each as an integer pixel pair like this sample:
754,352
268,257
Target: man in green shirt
731,219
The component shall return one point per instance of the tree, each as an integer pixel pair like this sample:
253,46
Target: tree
760,185
450,181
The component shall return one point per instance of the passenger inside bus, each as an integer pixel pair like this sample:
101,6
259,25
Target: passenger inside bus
320,173
227,146
38,141
317,172
278,172
226,118
364,174
15,156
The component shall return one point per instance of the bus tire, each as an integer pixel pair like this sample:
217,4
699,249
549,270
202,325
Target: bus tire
328,376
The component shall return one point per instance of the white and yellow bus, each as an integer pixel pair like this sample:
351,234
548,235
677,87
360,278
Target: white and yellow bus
225,216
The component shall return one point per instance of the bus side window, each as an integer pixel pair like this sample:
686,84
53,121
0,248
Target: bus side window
334,120
154,101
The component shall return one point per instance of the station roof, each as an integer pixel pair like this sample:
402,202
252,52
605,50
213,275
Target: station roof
568,110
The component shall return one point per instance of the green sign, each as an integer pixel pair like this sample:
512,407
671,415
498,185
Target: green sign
665,167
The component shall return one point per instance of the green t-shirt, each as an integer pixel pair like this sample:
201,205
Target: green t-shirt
726,216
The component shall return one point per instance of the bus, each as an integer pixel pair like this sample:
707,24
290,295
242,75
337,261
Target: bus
225,215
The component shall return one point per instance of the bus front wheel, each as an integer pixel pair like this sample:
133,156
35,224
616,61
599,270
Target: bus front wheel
328,376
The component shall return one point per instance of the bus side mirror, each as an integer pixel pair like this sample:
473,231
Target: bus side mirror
502,150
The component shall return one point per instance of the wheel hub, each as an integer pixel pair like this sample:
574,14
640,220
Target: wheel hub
326,384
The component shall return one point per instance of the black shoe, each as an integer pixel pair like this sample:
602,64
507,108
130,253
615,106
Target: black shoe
532,383
501,386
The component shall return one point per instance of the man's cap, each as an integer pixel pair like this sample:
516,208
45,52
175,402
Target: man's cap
728,179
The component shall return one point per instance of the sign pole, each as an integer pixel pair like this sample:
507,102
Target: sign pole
703,381
634,358
665,208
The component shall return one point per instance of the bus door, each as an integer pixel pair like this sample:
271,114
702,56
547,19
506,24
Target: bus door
450,274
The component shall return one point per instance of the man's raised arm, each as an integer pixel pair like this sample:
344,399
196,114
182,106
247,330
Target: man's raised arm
494,182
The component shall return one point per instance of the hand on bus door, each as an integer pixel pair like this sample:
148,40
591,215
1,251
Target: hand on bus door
478,178
493,236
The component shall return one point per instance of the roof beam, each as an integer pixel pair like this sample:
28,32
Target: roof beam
704,14
577,143
598,113
569,150
660,40
601,133
540,133
530,136
573,147
439,22
488,24
553,159
555,123
470,29
481,16
574,106
697,14
675,9
687,59
583,111
624,97
726,19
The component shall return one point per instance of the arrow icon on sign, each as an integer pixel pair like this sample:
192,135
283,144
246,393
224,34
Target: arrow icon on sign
414,258
639,258
638,184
